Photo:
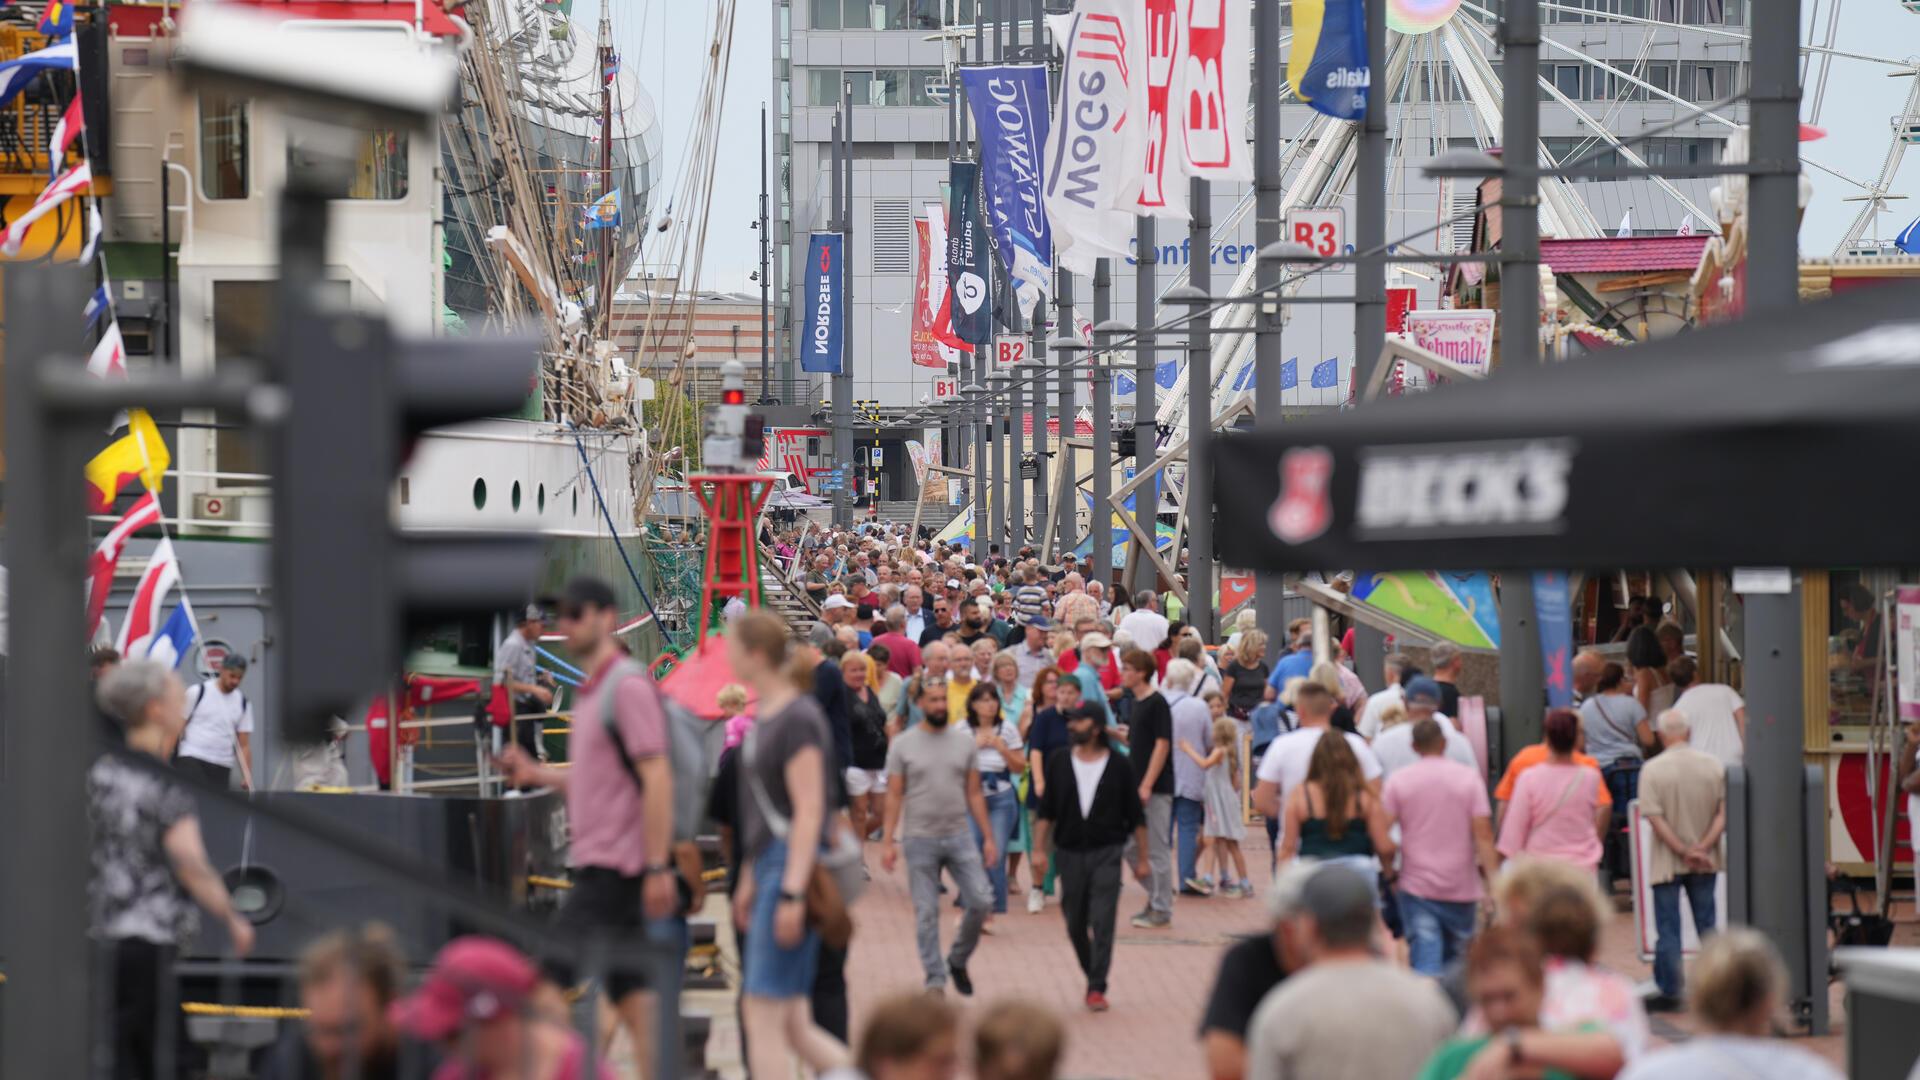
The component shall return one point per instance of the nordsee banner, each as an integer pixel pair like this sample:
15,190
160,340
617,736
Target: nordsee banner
967,255
821,346
1009,105
1328,66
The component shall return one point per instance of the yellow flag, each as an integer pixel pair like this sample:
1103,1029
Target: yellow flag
139,454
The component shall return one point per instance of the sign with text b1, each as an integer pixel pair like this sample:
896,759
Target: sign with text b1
1324,229
1009,350
945,386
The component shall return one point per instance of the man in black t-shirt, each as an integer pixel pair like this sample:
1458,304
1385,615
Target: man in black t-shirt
1251,968
1150,739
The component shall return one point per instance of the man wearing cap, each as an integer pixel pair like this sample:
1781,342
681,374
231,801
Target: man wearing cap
1395,746
1031,652
529,691
219,731
476,1005
1310,1026
1251,969
837,611
619,805
863,624
1096,649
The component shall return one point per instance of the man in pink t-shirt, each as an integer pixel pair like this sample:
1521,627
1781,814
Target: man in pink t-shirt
619,820
903,654
1446,828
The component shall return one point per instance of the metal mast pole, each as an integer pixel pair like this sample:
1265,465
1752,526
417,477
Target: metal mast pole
766,278
1268,588
1370,205
1146,498
1039,421
839,384
1069,510
1100,367
1782,874
1199,502
609,238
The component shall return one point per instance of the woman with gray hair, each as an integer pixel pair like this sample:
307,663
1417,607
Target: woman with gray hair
1739,986
148,860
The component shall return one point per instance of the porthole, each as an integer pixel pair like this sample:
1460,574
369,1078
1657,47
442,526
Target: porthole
479,494
540,499
516,496
576,502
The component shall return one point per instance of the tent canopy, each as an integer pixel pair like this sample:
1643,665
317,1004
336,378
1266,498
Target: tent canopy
1785,438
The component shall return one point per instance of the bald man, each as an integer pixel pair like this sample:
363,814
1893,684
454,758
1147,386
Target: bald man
1587,665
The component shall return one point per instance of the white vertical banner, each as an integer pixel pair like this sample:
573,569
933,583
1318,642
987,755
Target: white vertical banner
937,289
1099,132
1163,180
1215,86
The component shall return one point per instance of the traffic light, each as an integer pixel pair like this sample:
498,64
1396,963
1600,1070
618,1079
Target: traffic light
349,588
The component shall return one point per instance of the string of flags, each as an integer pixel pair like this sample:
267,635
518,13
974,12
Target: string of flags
160,623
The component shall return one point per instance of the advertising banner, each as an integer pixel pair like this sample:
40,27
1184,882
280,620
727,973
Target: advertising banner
1906,645
1163,182
1214,83
1553,613
1462,336
1009,105
968,269
826,321
923,346
939,293
1098,137
1328,68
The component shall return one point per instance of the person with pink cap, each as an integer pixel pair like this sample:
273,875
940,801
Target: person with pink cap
476,1006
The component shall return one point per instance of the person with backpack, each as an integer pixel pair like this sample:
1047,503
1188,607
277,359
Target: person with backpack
219,731
620,792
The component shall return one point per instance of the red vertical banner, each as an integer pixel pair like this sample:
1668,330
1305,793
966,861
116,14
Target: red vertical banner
925,348
1399,302
1161,193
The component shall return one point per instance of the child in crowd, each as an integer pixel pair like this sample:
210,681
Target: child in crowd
1224,826
732,700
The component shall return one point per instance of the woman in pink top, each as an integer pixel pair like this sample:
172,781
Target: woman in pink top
1556,812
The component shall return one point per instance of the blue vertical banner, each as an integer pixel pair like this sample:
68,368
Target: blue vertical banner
1328,67
1553,613
1009,107
968,268
821,347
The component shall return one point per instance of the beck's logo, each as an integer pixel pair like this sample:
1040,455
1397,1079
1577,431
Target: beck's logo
1516,488
1305,506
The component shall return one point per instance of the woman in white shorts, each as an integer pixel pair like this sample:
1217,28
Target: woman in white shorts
866,776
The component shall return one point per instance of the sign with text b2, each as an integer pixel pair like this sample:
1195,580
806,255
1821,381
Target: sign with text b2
1009,350
821,345
945,386
1324,229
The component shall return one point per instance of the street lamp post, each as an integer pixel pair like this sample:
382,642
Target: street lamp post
1100,368
1007,481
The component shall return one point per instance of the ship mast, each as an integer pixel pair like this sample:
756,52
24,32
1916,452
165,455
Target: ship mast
608,237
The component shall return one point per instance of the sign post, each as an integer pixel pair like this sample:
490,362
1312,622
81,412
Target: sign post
1321,228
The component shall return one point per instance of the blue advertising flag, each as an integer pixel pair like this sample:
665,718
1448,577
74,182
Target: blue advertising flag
1009,104
1290,373
820,347
1909,238
967,258
1326,374
1328,66
1552,612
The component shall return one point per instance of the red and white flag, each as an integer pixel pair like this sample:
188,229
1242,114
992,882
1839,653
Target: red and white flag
71,124
1214,85
105,557
161,578
66,186
109,359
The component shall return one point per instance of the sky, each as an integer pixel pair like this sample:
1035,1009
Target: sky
667,52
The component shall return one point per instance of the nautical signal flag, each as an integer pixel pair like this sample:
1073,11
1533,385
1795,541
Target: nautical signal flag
57,20
140,455
98,306
15,74
604,212
69,184
68,128
611,68
146,633
106,556
109,359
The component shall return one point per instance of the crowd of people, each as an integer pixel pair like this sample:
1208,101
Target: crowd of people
1017,735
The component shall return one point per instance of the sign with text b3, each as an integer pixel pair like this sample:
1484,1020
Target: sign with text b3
1009,350
1323,229
945,386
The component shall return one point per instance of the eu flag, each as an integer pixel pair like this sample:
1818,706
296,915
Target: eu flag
1326,374
1290,374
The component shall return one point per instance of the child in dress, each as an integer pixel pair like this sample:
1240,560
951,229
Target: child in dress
1224,827
732,700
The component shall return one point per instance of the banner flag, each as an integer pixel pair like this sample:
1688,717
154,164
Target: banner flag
826,321
1552,612
1009,106
1098,136
967,265
939,289
924,348
1216,87
1329,66
1163,188
1326,374
1290,373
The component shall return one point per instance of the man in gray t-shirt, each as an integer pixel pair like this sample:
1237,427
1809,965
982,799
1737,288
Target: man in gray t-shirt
933,783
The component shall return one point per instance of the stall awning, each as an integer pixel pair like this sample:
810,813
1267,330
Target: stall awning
1786,438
